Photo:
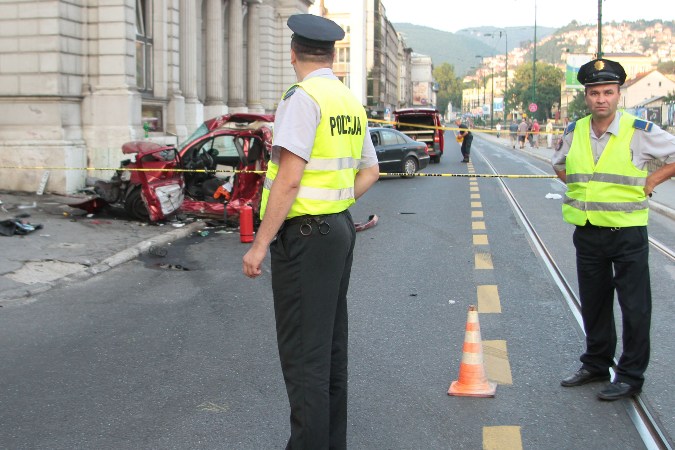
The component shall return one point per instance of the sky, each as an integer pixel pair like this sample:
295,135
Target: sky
453,15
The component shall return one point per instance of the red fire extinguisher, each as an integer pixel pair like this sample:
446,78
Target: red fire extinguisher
246,224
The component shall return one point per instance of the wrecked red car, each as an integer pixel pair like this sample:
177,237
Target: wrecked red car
218,169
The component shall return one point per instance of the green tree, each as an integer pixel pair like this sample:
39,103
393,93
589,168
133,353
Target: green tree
577,107
666,67
449,87
549,79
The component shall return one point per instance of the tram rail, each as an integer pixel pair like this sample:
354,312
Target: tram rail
647,425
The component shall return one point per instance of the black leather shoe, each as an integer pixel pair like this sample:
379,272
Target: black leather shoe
617,390
583,376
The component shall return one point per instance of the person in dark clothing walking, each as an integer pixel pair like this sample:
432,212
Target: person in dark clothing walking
466,137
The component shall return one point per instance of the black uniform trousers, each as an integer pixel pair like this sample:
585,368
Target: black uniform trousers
466,145
311,266
609,260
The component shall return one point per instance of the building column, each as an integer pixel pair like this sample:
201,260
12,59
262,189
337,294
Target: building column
215,105
253,61
236,58
194,111
175,110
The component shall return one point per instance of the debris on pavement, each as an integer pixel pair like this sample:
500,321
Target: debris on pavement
370,223
172,267
17,226
158,251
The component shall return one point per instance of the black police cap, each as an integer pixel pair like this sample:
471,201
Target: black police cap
601,71
315,31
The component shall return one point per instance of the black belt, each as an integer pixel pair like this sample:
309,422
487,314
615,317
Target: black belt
597,227
304,218
306,221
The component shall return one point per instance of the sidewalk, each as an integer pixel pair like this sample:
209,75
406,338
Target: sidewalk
662,201
71,245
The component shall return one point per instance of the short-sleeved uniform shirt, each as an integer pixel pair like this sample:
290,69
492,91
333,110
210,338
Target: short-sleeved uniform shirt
296,120
645,146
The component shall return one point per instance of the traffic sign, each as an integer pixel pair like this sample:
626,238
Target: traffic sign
533,107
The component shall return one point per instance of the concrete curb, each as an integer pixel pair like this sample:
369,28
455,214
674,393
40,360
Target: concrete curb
105,265
133,252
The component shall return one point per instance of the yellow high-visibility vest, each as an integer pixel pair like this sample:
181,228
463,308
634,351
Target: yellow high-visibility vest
327,185
611,193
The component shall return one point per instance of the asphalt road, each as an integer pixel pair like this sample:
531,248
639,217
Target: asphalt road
148,357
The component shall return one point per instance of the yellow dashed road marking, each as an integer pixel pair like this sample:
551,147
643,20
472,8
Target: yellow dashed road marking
478,225
502,438
483,261
496,359
473,188
475,195
476,214
488,299
476,204
480,239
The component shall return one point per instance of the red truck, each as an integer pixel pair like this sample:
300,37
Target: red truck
423,125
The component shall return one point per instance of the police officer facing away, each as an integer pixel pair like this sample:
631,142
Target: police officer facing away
322,161
602,158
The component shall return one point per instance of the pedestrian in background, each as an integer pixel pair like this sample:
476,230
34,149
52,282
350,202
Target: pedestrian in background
549,133
513,133
466,137
535,134
522,133
529,132
602,159
322,160
499,129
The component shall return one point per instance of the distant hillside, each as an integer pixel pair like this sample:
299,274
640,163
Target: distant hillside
460,49
649,38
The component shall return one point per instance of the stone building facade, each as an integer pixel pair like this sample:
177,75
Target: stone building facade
78,78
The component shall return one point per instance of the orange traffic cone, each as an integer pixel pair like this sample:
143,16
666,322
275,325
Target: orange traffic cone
472,381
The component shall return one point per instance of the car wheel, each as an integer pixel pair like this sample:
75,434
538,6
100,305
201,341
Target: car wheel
135,207
409,167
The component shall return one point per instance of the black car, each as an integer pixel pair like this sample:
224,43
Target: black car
397,153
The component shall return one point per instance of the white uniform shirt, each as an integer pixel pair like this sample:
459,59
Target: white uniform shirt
645,146
297,119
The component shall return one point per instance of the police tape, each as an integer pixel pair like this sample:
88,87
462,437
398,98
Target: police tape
474,130
209,171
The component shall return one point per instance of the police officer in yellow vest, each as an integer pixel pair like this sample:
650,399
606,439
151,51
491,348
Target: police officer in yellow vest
602,159
322,161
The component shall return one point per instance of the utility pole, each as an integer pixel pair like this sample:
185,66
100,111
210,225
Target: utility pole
599,29
492,99
506,75
534,57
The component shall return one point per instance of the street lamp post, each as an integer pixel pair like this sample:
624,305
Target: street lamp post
492,98
599,29
506,67
482,72
534,58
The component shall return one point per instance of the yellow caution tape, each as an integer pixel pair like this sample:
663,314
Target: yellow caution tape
262,172
475,130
